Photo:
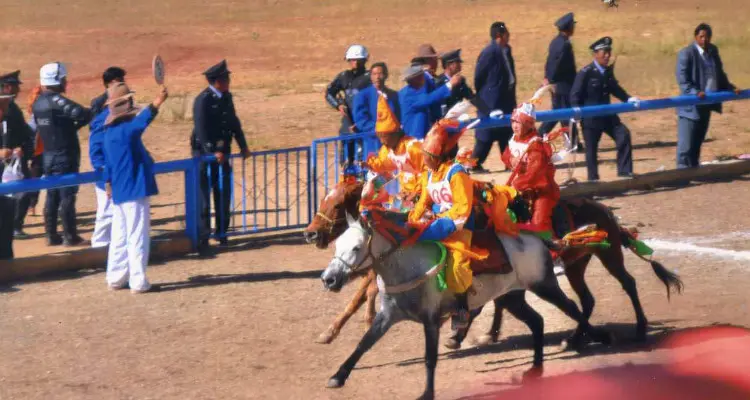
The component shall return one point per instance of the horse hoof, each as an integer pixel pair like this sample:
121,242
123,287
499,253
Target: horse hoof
335,383
452,344
426,396
532,374
486,340
327,337
571,344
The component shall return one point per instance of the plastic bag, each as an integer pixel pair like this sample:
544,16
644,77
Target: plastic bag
13,171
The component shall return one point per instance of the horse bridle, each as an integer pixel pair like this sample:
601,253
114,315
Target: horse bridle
375,260
332,222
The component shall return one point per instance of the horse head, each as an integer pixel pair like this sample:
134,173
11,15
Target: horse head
330,221
353,248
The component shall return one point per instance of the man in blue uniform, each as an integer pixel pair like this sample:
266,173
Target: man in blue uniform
560,70
58,120
132,182
699,71
427,58
215,125
495,83
452,65
416,101
593,86
340,95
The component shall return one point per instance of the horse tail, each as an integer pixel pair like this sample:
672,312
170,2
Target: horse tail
669,278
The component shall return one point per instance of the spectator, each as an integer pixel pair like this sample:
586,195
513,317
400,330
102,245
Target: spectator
18,140
452,65
103,223
58,120
35,167
495,83
215,124
341,91
560,70
415,100
132,183
427,58
699,71
592,87
7,203
376,108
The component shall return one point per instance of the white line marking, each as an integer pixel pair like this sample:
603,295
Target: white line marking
658,244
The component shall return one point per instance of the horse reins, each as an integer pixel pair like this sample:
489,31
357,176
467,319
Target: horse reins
375,260
332,222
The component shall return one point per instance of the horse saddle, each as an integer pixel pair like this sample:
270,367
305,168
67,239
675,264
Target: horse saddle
497,262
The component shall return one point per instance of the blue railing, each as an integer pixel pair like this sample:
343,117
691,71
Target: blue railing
330,171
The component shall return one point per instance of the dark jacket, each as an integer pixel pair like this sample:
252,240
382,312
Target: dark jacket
691,80
591,88
58,120
341,91
19,133
492,81
215,124
459,93
560,68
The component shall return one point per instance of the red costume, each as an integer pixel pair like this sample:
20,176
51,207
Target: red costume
533,174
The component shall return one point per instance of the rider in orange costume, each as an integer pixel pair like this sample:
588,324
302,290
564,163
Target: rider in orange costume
533,172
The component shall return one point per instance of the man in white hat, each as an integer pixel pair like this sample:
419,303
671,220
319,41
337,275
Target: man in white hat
58,120
131,182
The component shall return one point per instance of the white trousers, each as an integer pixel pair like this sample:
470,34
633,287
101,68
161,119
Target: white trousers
103,223
130,245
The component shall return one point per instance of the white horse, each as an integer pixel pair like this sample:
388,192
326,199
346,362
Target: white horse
406,277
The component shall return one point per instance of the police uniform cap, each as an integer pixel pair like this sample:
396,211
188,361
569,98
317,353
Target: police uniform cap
217,71
565,22
451,56
11,78
604,43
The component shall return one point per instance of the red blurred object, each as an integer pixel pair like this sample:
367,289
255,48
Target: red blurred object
707,363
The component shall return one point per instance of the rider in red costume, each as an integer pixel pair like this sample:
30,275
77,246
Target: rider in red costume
533,174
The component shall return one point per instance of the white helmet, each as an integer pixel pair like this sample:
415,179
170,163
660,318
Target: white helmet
356,52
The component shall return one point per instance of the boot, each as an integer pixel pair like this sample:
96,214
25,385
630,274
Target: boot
460,319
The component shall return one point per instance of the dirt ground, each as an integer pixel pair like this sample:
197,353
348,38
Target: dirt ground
242,325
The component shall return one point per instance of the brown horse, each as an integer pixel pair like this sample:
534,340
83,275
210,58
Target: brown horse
330,222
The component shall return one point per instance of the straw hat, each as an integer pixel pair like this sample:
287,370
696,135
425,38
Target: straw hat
120,103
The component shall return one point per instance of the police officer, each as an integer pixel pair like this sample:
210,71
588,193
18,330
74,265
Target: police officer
593,86
110,75
452,62
58,120
215,125
18,139
560,70
341,91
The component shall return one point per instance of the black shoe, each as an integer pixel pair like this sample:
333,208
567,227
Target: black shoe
54,240
73,241
629,175
479,170
223,242
20,234
580,149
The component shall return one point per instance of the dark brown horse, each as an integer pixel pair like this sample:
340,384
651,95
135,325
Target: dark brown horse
330,222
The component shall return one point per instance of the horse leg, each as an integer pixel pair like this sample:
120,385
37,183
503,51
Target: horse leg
550,291
497,320
575,272
372,295
356,302
516,304
383,321
431,335
613,261
457,336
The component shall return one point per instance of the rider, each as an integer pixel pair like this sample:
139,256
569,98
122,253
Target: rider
533,171
400,155
447,185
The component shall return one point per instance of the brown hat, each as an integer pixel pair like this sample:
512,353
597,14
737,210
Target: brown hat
120,103
426,51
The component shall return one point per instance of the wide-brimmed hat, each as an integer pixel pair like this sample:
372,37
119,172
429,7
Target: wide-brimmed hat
120,103
411,72
424,52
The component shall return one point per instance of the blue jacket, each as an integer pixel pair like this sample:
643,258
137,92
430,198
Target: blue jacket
492,81
130,166
415,108
691,80
96,146
366,107
560,68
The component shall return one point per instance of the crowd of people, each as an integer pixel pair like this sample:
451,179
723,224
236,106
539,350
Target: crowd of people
46,141
47,144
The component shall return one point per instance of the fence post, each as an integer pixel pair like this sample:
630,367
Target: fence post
193,201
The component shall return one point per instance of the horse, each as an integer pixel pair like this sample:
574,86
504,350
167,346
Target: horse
406,276
330,222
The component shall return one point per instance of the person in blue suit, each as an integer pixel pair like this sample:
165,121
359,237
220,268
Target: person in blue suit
416,101
368,106
132,182
495,83
699,71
